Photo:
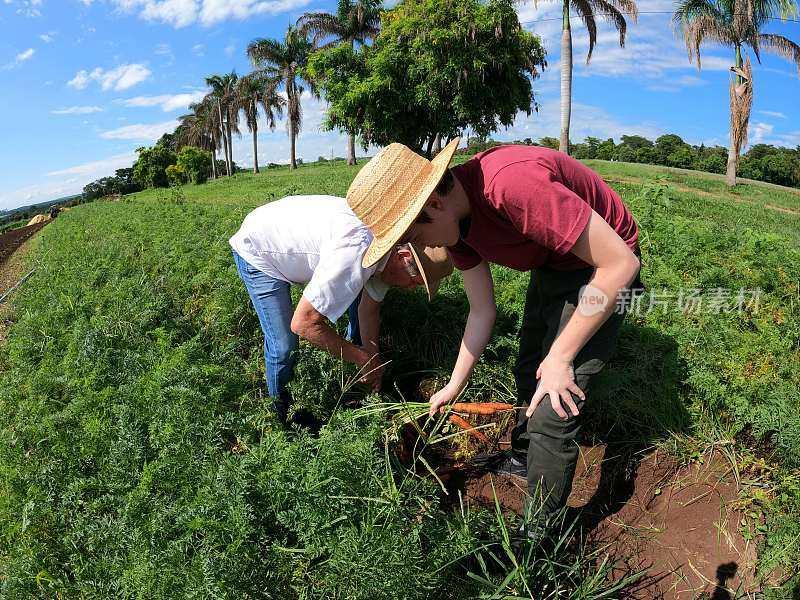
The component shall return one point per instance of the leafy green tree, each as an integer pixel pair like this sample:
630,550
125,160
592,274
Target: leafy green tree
606,150
736,23
150,169
551,142
634,142
285,61
195,164
353,22
434,69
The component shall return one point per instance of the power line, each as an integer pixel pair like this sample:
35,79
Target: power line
644,12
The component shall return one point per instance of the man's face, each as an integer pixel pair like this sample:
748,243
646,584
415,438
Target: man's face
441,230
401,270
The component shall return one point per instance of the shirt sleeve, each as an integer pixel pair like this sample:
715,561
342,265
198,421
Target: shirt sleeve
376,288
541,207
464,256
338,278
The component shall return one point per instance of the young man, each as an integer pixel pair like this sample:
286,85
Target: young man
318,241
530,209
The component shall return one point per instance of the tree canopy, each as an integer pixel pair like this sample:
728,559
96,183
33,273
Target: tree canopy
434,69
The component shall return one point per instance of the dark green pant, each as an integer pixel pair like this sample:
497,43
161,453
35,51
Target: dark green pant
547,440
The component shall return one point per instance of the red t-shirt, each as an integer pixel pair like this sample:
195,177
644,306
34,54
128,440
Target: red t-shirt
529,205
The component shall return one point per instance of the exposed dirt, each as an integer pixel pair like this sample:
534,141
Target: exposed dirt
11,240
677,523
13,251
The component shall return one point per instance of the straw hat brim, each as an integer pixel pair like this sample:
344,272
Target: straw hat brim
426,183
421,269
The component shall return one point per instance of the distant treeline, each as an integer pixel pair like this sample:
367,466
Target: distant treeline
27,212
164,164
762,162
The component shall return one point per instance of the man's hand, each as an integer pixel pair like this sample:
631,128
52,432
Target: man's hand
371,369
556,379
444,396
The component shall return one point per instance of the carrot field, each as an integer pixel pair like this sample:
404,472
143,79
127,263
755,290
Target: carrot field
139,459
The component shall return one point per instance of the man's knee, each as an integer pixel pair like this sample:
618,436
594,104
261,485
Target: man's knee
547,422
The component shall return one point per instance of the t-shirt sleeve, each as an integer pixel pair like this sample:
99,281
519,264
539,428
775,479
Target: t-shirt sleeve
376,288
338,278
464,256
540,207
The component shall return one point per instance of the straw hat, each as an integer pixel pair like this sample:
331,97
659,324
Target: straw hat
391,190
434,264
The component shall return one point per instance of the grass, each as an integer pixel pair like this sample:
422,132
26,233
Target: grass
138,458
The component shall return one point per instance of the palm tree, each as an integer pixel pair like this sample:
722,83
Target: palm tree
283,61
199,128
253,91
354,21
736,23
612,10
223,93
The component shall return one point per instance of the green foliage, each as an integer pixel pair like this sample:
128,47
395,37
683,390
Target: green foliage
195,163
434,69
176,175
762,162
121,183
150,169
138,458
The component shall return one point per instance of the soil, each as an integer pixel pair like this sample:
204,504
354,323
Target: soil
676,523
11,240
13,250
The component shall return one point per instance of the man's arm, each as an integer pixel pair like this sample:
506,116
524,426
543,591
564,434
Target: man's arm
615,267
479,287
308,323
369,323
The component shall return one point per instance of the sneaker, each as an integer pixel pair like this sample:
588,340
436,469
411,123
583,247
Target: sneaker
511,464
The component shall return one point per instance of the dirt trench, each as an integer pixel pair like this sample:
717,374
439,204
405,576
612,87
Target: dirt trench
679,524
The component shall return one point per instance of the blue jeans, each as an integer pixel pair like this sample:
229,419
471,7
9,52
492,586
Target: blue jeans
272,301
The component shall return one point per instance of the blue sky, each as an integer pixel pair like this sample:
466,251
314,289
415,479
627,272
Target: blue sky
86,82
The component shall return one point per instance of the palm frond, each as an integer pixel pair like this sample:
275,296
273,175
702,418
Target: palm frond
266,52
613,15
782,46
705,28
585,12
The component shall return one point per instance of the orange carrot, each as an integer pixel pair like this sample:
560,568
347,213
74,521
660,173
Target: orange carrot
481,408
464,424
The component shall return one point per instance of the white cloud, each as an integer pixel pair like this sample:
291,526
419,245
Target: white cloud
25,55
199,49
47,37
229,50
181,13
772,113
652,49
167,102
760,131
65,182
100,167
77,110
80,81
28,8
144,132
120,78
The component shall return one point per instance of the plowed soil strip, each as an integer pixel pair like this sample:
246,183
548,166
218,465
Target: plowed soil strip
11,240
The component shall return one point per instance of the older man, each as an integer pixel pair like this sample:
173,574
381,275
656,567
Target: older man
319,242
